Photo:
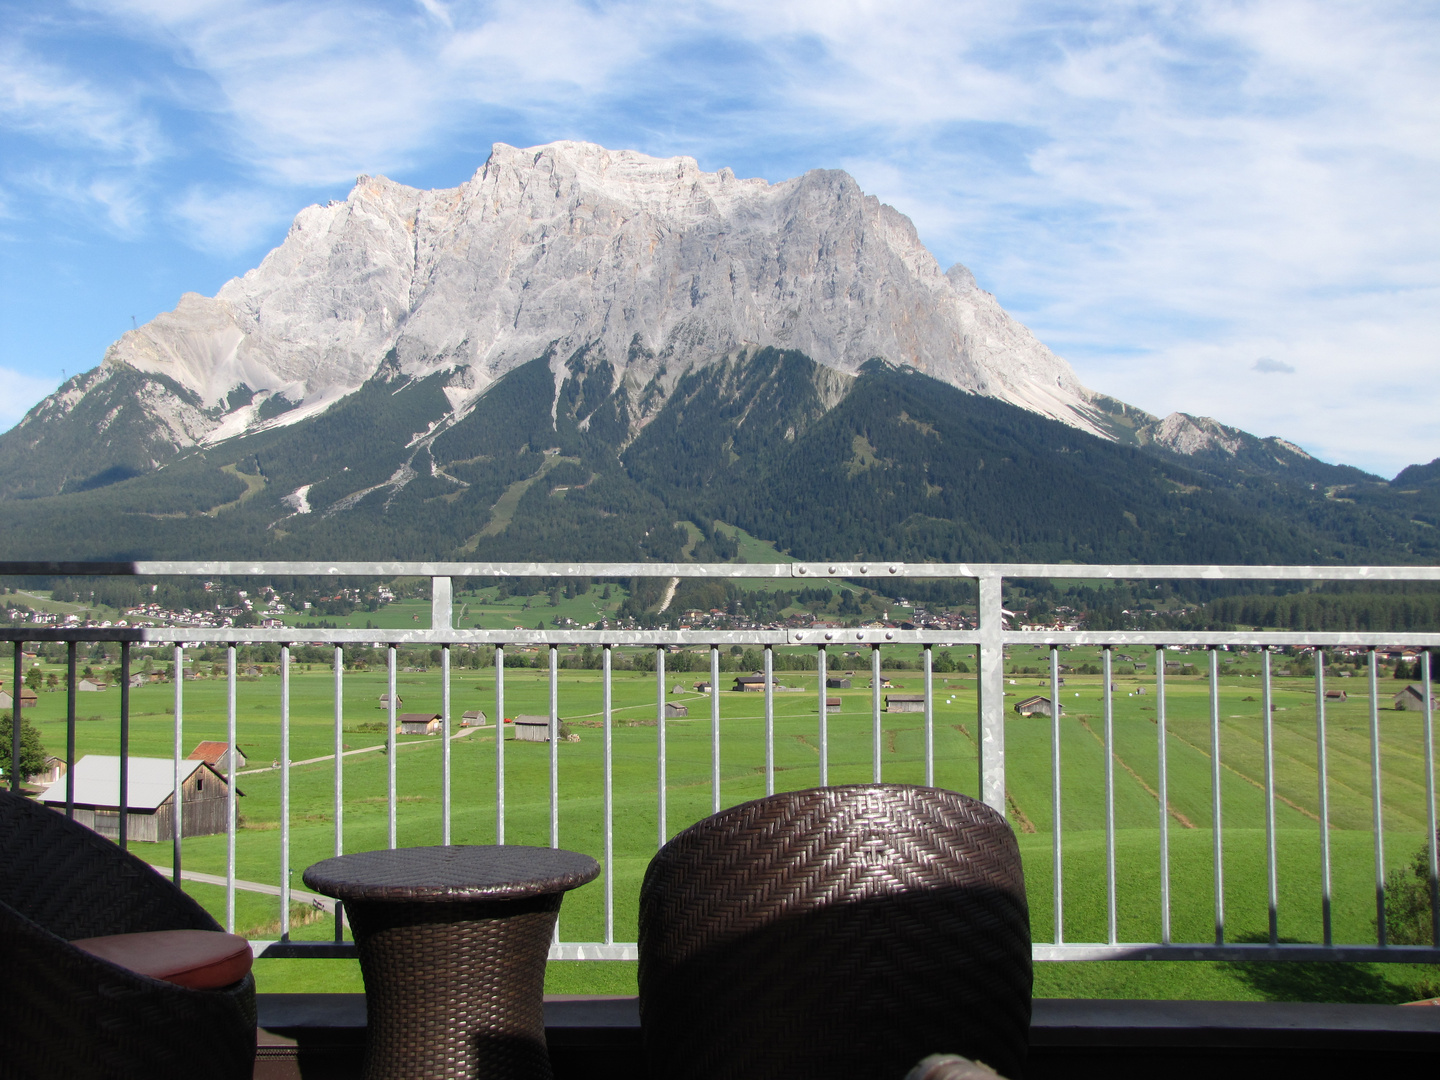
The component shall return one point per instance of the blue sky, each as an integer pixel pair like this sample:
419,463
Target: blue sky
1231,209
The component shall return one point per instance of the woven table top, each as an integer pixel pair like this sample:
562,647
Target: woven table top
454,873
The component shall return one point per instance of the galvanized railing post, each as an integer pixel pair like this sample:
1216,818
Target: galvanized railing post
1272,874
123,822
715,724
179,796
339,803
660,747
499,744
391,743
1216,840
1378,809
991,693
554,746
1163,765
231,816
769,720
69,729
1108,706
1432,839
1057,710
17,682
285,793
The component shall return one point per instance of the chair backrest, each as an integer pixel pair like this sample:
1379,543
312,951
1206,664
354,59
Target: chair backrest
836,932
75,883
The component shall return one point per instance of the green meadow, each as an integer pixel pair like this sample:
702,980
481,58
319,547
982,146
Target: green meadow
851,738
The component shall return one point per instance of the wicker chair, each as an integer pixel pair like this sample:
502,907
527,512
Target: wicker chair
834,933
67,1013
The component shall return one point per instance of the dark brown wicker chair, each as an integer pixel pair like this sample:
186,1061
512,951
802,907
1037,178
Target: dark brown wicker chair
66,1013
835,933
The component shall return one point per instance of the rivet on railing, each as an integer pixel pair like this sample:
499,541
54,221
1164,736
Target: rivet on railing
799,637
801,570
894,569
829,637
889,635
832,569
864,569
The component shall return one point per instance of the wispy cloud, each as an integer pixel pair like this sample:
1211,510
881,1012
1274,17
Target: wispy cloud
19,391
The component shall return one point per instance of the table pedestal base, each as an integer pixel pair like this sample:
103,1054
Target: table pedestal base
455,989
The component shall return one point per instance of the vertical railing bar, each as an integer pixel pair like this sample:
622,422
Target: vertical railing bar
1378,813
69,729
178,806
769,668
554,747
1322,768
990,696
499,744
17,682
1429,731
1111,917
660,745
821,660
1216,842
875,680
231,804
1162,745
609,795
446,734
715,727
1272,873
928,656
1056,709
391,743
339,672
123,824
285,793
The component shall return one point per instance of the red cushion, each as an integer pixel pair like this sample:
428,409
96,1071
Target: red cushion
198,959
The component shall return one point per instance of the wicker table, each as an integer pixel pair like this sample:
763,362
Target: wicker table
453,942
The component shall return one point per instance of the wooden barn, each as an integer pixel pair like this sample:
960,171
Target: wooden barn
28,700
151,797
417,723
674,710
702,688
904,702
473,718
1413,699
1341,695
532,728
1036,706
754,684
217,756
837,682
832,705
385,701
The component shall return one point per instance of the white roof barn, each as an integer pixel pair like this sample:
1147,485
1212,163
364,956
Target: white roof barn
97,781
150,797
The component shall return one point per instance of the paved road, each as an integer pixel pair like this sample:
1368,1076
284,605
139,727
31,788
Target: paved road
299,896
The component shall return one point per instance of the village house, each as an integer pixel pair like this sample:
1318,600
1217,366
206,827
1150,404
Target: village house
217,756
150,795
416,723
1033,706
904,702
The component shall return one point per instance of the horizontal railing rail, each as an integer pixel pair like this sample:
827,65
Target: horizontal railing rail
990,638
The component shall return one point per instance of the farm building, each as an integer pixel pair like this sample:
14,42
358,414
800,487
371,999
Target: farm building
28,700
832,705
1033,706
674,710
54,770
885,684
750,683
217,756
904,702
151,797
702,687
532,728
1341,695
385,701
417,723
473,718
91,686
1413,698
837,682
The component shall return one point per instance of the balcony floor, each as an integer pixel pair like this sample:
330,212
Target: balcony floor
321,1036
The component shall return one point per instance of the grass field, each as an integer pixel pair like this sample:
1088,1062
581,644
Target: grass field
796,754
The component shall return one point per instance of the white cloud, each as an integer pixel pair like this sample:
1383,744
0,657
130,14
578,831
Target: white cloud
19,393
228,222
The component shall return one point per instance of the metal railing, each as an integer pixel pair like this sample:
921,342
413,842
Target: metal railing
991,637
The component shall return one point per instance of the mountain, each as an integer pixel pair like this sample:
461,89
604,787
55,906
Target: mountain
650,265
586,354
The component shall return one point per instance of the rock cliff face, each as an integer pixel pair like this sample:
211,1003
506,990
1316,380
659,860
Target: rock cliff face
647,263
